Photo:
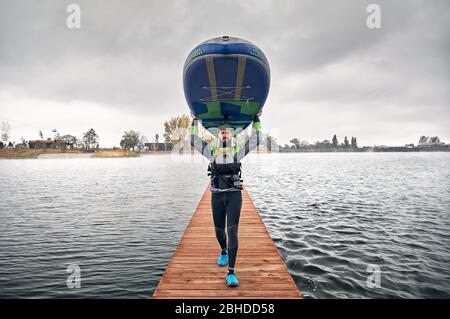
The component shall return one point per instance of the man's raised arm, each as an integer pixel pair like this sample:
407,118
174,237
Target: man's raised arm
196,142
252,142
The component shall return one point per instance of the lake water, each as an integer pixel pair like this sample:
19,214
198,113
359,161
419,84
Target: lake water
337,219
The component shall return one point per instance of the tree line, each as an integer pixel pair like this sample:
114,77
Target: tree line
325,145
175,132
88,141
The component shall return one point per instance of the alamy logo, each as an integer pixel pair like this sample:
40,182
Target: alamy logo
374,279
374,19
74,278
74,19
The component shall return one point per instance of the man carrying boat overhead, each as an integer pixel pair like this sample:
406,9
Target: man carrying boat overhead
226,185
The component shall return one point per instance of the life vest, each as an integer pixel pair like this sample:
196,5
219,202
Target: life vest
225,176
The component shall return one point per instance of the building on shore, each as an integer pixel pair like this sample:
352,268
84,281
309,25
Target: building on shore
158,147
411,148
434,147
50,144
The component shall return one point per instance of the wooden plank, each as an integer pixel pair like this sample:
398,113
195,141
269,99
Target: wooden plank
225,293
193,272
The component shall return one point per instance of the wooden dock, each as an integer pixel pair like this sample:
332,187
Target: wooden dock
193,271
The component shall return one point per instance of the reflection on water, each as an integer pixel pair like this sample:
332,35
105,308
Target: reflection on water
331,215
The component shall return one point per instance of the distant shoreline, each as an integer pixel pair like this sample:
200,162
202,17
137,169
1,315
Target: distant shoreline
65,154
57,154
444,150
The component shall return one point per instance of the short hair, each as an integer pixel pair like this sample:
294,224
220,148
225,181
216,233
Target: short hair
224,127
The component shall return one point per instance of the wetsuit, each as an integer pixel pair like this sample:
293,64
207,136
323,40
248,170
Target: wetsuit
226,197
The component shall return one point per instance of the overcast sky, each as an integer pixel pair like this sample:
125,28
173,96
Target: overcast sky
330,73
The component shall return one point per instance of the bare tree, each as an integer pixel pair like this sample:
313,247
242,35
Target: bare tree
354,142
90,139
6,132
335,141
423,140
346,142
142,141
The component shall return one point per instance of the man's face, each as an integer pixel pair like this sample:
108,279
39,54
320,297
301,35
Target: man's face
225,134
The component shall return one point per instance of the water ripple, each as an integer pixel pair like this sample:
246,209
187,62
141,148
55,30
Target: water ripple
332,217
349,212
118,220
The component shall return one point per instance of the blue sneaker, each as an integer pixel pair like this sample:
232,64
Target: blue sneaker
232,280
223,260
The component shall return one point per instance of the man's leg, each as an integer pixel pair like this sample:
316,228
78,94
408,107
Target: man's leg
219,214
233,208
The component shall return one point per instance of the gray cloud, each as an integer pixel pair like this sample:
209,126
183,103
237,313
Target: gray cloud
325,62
